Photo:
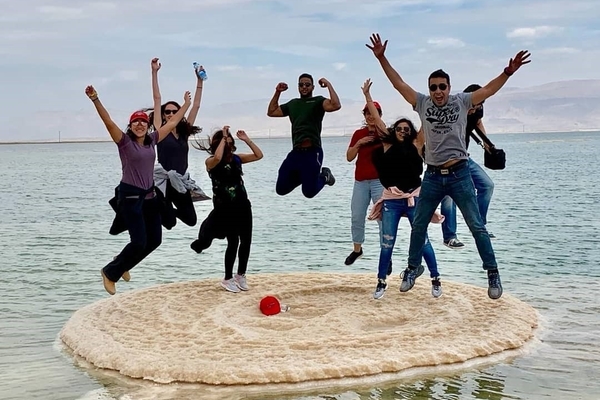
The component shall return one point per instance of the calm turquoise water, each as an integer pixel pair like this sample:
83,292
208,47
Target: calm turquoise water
55,239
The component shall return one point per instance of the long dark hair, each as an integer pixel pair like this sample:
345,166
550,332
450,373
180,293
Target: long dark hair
184,129
211,143
413,131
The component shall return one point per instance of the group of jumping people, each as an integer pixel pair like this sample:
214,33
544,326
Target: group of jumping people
401,170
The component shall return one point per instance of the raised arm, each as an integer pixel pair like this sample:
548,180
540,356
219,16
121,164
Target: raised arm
378,48
419,142
333,102
197,99
216,158
495,84
115,132
155,65
366,88
164,130
256,152
274,110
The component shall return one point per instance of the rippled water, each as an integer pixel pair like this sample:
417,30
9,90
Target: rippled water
55,239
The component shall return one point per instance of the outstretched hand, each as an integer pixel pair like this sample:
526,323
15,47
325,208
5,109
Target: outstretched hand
226,131
155,64
366,87
515,63
242,135
91,92
377,47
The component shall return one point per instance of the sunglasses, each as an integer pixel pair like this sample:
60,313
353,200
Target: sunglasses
435,87
403,129
304,84
167,112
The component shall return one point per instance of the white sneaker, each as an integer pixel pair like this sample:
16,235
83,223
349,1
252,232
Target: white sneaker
230,285
240,281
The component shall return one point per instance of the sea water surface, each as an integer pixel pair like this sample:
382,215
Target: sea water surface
54,239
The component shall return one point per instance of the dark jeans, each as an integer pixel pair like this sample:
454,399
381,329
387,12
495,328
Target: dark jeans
457,184
184,210
142,218
233,223
302,166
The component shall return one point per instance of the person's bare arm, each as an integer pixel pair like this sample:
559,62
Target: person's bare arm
333,102
115,132
256,151
496,84
274,110
155,65
197,99
216,158
167,128
378,48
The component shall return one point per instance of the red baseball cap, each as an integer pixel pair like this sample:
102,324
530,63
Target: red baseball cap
269,305
139,115
376,104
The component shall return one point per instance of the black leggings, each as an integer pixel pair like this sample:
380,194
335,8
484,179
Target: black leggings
234,224
145,233
185,210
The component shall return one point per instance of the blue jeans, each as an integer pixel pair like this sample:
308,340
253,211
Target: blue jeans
459,186
392,211
364,192
484,186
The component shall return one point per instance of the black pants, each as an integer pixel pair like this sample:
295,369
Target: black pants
142,218
233,223
184,210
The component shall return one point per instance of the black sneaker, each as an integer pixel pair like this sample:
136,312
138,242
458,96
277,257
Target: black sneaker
195,245
353,257
389,271
436,287
454,244
408,277
329,178
494,284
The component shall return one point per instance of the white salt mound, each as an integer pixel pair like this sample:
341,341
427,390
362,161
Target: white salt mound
197,332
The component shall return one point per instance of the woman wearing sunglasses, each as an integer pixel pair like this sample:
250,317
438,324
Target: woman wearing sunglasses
173,153
136,199
399,164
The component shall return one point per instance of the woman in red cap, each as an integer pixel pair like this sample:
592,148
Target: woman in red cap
172,152
367,187
135,194
231,217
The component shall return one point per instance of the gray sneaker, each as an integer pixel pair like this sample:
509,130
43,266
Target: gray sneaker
380,289
230,285
408,277
436,287
240,282
494,285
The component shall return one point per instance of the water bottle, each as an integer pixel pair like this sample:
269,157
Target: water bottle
200,71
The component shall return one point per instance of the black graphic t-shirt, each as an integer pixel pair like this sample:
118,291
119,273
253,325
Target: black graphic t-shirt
227,183
444,127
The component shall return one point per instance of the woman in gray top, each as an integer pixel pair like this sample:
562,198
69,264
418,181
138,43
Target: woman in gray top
137,202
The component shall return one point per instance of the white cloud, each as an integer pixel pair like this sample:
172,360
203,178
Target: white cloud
560,50
533,32
338,66
446,42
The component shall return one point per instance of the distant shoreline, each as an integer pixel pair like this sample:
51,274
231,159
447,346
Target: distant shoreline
74,141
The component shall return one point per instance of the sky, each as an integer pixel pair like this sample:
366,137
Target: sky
51,49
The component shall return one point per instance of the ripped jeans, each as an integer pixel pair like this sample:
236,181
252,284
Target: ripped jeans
391,212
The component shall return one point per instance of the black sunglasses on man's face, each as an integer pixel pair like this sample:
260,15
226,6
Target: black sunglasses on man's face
304,84
434,87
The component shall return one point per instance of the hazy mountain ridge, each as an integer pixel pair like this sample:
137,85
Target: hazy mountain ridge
557,106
